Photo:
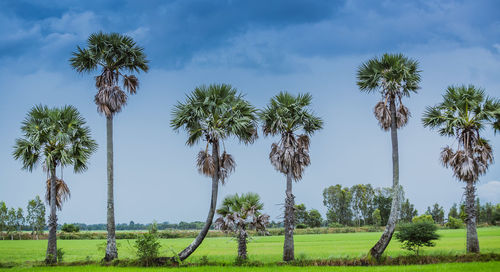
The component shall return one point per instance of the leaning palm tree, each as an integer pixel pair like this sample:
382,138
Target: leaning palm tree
463,114
54,137
214,113
286,115
394,76
238,214
113,55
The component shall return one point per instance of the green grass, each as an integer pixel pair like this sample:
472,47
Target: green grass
265,249
477,267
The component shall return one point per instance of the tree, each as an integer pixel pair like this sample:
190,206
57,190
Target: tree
408,211
3,218
301,215
338,201
70,228
11,222
413,236
285,116
19,221
382,200
54,137
377,219
437,213
394,76
114,55
453,211
362,196
463,114
314,219
238,214
36,216
214,113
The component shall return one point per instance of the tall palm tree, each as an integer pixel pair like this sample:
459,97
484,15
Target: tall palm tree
394,76
463,114
54,137
238,214
213,114
113,55
286,115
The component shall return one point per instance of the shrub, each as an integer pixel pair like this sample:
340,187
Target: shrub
454,223
416,235
423,218
60,255
148,248
335,225
301,226
70,228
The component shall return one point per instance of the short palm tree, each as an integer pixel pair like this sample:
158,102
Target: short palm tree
394,76
113,55
286,115
214,113
238,214
463,114
54,137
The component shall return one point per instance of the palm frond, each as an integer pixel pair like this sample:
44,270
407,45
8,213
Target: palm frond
62,192
205,163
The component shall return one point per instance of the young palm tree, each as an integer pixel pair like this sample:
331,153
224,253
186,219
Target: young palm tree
213,114
463,114
394,76
54,137
238,214
114,55
286,115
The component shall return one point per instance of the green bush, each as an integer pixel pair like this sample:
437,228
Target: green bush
454,223
416,235
335,225
60,255
148,248
423,218
70,228
301,226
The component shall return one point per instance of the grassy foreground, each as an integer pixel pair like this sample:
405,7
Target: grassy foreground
264,249
477,267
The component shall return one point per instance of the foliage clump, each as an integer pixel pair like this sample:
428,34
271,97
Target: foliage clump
70,228
416,235
147,247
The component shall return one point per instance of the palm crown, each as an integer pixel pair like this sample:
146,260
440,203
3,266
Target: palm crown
463,114
241,212
286,115
115,54
394,76
215,113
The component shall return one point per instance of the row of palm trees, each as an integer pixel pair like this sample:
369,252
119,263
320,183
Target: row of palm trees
218,112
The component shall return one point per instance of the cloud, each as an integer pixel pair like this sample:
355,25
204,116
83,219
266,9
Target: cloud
489,192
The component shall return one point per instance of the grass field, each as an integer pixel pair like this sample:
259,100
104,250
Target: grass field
476,267
265,249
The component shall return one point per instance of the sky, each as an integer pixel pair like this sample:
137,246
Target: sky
260,48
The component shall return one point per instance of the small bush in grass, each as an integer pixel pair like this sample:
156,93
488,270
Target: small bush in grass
60,255
454,223
148,248
416,235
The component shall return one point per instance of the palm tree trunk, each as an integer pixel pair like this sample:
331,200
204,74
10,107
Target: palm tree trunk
242,245
111,250
211,212
378,249
51,255
288,247
472,240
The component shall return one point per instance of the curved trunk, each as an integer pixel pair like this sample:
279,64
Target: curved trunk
211,212
111,250
472,240
378,249
51,255
242,245
288,247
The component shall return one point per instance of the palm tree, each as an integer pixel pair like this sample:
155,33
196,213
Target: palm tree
54,137
114,55
394,76
286,115
238,214
213,114
463,114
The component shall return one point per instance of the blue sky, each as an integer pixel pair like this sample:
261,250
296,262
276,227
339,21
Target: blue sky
261,48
